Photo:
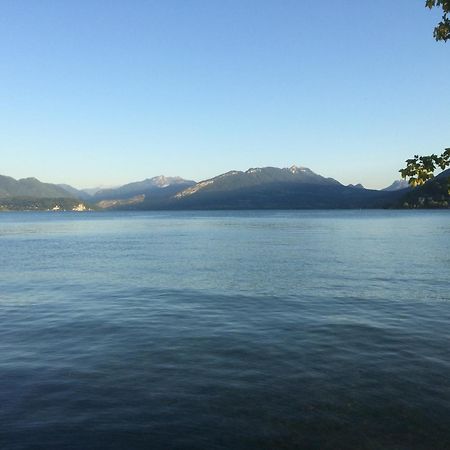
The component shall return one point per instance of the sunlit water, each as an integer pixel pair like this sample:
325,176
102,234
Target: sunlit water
225,330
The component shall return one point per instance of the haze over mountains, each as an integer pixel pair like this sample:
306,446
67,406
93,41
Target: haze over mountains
146,187
257,188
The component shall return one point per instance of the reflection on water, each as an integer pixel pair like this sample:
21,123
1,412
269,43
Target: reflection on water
225,330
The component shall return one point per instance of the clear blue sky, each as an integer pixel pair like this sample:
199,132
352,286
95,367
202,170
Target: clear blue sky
106,92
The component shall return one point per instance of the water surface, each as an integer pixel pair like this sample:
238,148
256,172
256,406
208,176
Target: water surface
324,329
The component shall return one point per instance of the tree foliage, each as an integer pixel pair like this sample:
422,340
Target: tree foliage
420,169
442,30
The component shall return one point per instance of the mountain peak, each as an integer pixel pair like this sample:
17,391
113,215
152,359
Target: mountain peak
29,179
397,185
159,181
254,170
296,169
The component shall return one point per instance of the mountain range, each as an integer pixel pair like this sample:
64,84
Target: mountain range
257,188
30,187
273,188
32,194
147,187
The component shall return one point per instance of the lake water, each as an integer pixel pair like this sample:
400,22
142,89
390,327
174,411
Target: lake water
240,330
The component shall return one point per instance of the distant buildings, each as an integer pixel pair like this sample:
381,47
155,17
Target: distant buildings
79,208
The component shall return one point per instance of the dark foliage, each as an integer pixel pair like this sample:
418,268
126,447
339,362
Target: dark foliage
442,30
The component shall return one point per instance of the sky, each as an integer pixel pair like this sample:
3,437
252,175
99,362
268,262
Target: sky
107,92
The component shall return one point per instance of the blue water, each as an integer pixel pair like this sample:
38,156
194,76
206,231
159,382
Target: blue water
216,330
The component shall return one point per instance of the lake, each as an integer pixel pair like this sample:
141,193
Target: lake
214,330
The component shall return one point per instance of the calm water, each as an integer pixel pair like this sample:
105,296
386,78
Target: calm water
225,330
